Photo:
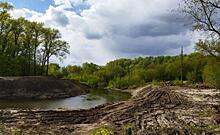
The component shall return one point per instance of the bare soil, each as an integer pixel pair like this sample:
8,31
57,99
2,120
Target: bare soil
39,88
160,110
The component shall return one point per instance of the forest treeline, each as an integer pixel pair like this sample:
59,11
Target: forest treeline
131,73
26,47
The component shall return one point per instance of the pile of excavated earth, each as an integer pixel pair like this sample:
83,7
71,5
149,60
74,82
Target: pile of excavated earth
39,87
152,110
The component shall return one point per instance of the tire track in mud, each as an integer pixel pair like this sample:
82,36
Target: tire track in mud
153,111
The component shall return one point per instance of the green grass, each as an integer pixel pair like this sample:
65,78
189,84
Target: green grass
102,131
209,128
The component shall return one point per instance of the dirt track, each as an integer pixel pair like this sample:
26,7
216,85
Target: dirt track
171,110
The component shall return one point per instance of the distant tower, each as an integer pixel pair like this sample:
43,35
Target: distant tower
181,58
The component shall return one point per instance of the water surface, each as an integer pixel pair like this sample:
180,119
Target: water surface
94,98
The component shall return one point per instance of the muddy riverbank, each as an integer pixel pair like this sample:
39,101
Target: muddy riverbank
159,110
39,88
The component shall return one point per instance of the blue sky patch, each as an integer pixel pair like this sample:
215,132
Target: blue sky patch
79,8
36,5
43,5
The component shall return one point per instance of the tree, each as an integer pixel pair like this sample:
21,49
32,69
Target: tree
17,29
212,74
28,44
25,44
52,46
205,15
5,6
37,33
54,70
209,48
4,17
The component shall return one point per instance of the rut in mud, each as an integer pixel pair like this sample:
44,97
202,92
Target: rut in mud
158,109
153,111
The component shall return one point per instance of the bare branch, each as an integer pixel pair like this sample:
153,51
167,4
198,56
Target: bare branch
209,24
215,5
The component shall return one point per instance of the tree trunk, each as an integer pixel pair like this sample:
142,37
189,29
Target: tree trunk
47,67
29,58
35,53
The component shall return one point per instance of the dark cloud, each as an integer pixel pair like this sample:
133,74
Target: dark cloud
149,45
168,24
93,36
59,17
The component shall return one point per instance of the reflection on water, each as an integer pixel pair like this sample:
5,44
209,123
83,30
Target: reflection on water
94,98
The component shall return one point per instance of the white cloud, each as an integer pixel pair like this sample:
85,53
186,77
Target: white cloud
111,29
27,13
68,3
55,16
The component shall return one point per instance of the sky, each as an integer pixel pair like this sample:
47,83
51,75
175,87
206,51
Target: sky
99,31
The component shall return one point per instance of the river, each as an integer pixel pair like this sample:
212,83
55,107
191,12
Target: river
90,100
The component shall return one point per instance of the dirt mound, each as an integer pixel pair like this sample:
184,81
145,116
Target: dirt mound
165,97
159,108
39,88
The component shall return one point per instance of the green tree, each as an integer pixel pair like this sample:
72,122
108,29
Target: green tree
37,40
52,46
212,74
54,70
26,45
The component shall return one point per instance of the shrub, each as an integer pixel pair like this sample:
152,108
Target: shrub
157,83
177,83
211,75
102,131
